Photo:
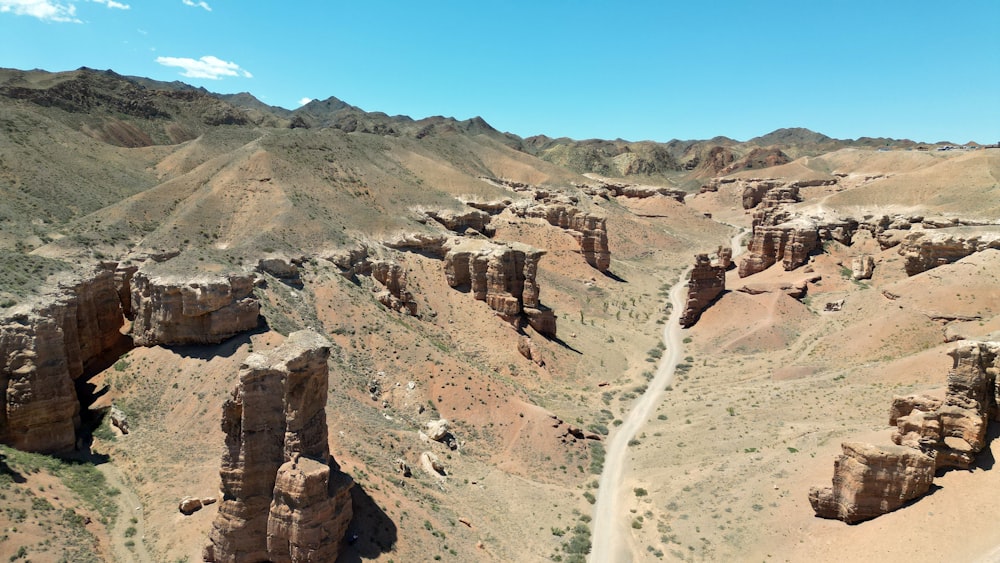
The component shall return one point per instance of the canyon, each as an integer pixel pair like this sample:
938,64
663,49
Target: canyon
413,339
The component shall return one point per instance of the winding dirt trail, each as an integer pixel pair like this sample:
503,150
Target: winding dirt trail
129,507
610,532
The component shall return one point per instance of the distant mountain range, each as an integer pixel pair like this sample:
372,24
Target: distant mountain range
683,161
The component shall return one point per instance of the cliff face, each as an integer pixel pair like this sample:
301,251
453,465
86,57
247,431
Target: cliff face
284,498
175,310
930,434
502,275
923,250
47,344
589,230
706,282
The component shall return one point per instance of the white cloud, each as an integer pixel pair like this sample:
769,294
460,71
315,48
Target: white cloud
112,4
305,101
46,10
200,4
212,68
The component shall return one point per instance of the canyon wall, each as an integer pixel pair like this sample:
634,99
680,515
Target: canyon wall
705,283
46,344
502,275
173,309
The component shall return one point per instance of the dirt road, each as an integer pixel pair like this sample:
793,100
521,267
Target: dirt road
610,525
125,530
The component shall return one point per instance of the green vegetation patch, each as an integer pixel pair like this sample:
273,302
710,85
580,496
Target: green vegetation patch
20,273
80,477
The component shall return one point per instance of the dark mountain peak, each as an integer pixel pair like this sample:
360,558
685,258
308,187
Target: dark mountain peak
791,136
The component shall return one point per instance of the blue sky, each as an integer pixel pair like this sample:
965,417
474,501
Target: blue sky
637,70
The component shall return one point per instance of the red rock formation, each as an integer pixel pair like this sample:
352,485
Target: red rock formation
753,190
869,481
284,498
705,283
502,275
757,158
590,230
44,346
642,192
173,310
395,296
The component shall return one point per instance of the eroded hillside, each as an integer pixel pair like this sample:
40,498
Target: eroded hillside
491,315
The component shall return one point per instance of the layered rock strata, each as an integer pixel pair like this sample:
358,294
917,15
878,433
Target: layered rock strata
869,481
930,434
923,250
44,346
705,283
462,221
589,230
174,310
284,498
502,275
642,192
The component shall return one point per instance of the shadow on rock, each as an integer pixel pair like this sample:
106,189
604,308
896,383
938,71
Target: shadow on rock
225,348
371,532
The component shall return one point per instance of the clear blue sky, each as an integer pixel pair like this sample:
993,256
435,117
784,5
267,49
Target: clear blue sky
638,70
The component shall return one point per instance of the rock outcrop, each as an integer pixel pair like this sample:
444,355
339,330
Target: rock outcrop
930,434
642,192
462,221
705,283
44,346
394,294
173,310
869,481
502,275
284,497
923,250
589,230
352,262
862,267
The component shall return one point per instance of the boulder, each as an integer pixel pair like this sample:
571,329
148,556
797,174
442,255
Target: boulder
190,505
862,267
869,481
437,430
118,419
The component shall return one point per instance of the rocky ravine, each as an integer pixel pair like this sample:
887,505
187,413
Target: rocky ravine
609,541
49,342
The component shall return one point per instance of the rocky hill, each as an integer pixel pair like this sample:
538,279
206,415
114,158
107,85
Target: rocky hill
480,311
